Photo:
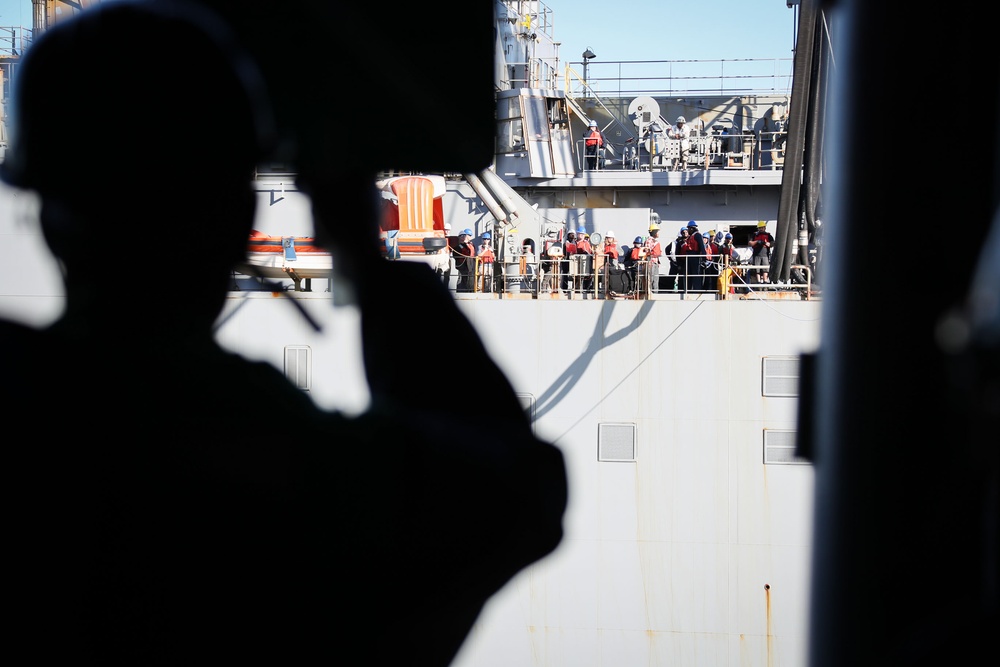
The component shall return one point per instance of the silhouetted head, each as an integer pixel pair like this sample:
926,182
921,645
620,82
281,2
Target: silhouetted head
132,116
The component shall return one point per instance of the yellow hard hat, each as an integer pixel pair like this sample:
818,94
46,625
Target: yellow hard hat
761,223
653,227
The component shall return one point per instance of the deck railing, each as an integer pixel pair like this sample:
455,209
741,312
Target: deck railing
569,278
658,78
763,150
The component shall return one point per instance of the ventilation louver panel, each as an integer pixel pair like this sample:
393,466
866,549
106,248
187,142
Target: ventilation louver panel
616,442
780,376
779,447
527,402
298,366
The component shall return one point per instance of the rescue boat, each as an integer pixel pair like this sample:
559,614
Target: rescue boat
285,257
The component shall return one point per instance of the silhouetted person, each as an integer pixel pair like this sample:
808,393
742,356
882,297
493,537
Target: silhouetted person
170,503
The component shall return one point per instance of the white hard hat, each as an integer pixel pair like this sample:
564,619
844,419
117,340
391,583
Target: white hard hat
681,119
593,123
609,234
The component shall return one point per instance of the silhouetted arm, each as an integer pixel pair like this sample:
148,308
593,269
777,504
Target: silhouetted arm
447,515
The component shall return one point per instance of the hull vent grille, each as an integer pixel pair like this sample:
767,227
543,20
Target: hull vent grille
298,366
779,448
780,376
528,405
616,442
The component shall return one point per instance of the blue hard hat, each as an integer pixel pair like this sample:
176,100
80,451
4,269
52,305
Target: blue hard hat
638,239
487,235
467,231
692,223
729,236
582,230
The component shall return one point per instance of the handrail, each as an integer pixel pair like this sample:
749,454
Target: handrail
14,40
543,277
707,151
657,78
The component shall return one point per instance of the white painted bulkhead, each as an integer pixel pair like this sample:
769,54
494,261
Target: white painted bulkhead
696,552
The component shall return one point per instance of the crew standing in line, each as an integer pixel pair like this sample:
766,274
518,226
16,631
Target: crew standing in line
593,143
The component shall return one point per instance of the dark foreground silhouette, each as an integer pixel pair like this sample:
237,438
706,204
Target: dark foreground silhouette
170,503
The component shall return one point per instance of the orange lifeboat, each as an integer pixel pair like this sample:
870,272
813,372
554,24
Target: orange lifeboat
284,257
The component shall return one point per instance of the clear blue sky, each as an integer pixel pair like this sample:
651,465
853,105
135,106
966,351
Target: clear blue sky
673,29
636,29
15,13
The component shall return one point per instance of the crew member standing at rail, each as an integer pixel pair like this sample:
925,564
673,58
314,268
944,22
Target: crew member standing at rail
727,252
760,244
635,265
569,249
593,142
711,260
528,269
465,260
653,253
674,253
584,247
486,259
611,268
445,273
727,259
694,256
682,132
